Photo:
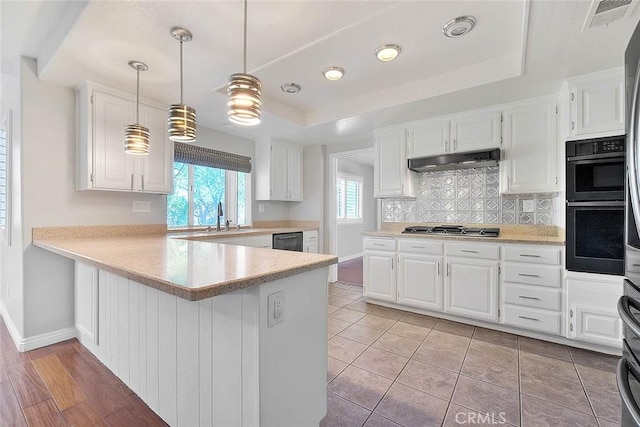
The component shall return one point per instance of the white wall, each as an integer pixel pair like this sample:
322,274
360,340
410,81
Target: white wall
349,238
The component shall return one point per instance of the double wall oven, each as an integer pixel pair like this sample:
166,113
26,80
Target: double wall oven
595,205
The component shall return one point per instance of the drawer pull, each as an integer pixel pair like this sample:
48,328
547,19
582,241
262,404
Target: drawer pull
529,318
377,244
526,297
636,265
530,256
468,251
528,275
418,247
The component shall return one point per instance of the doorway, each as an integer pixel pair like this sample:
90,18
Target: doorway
351,210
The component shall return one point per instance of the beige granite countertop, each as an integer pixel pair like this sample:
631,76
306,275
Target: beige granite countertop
212,235
542,235
190,269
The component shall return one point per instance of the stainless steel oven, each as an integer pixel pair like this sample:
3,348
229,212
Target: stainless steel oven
288,241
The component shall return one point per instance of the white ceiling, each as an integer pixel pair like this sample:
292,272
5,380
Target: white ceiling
518,49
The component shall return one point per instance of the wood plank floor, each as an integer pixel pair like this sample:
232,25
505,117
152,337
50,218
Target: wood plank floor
64,385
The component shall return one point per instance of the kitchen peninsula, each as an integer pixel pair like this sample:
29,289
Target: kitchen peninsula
205,333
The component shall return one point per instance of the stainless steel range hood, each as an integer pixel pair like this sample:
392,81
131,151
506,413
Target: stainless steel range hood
474,159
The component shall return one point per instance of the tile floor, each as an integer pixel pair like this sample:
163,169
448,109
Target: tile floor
389,367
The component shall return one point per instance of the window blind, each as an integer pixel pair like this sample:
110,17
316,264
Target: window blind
202,156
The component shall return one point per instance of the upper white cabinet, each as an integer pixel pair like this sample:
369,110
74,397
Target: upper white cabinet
529,150
474,131
102,162
597,104
278,171
392,178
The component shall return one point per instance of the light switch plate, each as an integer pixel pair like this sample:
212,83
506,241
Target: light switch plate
261,207
141,206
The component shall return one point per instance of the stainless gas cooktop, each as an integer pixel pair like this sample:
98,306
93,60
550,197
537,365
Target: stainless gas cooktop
455,230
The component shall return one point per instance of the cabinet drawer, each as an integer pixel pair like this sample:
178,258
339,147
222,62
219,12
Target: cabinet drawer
532,296
420,246
473,251
534,255
380,244
540,275
532,318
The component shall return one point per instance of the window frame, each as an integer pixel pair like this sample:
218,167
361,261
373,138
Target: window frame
230,205
345,177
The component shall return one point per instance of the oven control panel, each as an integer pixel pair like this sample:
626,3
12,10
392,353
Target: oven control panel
596,147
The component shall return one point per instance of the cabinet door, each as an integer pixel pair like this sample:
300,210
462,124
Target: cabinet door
390,163
420,281
430,138
155,172
113,169
599,107
476,131
472,288
379,276
529,163
596,325
86,303
294,174
278,172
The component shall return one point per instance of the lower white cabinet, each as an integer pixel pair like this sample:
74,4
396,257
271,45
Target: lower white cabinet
86,302
310,241
472,288
379,275
420,265
260,241
593,315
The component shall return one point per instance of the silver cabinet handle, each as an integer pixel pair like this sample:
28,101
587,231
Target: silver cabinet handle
446,145
528,275
447,269
132,181
438,268
418,247
377,244
468,251
526,297
530,256
636,265
529,318
455,143
142,182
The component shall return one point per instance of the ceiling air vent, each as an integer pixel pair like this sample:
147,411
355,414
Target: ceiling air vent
603,12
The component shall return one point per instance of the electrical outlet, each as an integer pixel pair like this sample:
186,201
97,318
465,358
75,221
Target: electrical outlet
261,207
275,309
141,206
527,205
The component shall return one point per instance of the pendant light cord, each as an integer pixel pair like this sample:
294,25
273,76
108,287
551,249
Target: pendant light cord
244,58
138,95
181,84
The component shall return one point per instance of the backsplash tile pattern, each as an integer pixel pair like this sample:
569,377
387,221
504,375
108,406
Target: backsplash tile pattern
468,196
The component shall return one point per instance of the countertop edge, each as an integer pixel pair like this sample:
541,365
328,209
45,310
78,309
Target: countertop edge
181,291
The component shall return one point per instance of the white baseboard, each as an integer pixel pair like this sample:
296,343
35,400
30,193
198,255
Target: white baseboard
349,257
37,341
42,340
11,327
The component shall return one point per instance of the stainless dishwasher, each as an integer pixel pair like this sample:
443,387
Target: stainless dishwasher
288,241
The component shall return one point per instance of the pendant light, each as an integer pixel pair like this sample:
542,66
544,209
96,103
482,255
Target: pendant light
182,118
244,91
136,136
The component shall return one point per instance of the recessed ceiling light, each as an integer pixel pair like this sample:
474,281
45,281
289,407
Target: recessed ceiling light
459,26
388,52
333,73
290,87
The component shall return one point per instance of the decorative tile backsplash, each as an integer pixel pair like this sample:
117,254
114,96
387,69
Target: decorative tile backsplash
469,196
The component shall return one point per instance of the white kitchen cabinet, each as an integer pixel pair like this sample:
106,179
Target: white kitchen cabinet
86,302
428,138
392,177
472,288
419,274
102,163
529,152
597,104
260,241
310,241
278,171
592,305
479,130
379,269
